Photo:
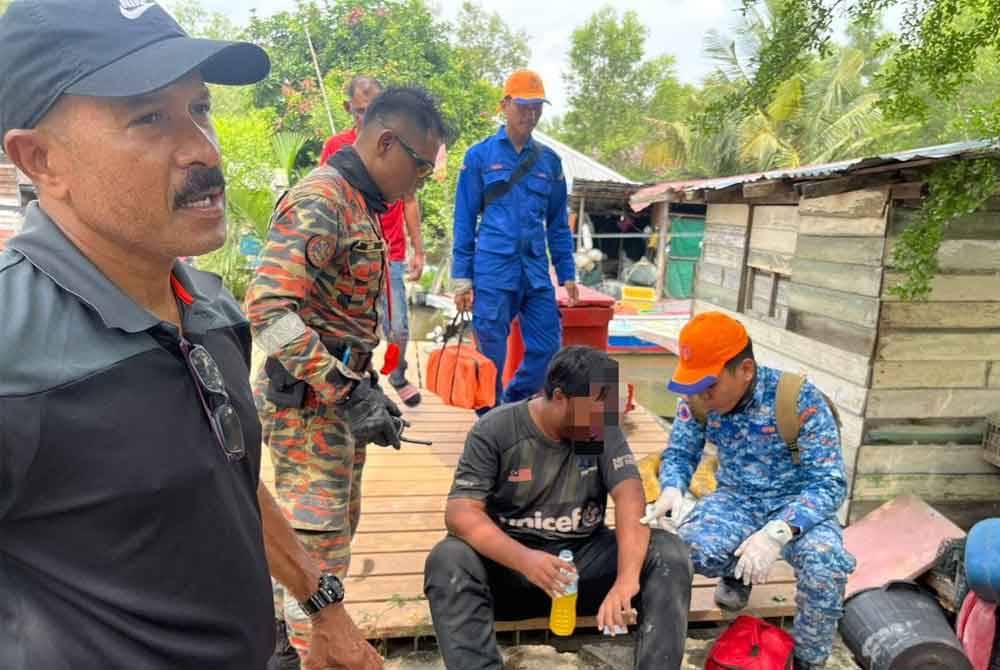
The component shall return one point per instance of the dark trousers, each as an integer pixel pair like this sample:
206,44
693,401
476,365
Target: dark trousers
468,593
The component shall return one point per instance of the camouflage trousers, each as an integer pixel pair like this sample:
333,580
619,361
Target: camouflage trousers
719,524
317,483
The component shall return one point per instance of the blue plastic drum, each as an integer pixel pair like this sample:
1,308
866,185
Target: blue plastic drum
982,560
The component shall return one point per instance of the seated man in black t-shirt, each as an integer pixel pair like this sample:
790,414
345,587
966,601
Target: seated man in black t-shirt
533,480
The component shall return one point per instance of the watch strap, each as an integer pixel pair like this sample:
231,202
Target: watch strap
329,592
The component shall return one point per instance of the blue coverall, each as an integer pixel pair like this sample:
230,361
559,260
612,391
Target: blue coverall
758,482
505,256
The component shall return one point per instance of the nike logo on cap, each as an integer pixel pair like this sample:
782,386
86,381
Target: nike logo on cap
133,9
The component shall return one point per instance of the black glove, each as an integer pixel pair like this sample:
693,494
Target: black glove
372,417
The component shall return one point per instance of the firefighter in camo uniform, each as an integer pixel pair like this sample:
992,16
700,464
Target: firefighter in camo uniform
312,308
766,505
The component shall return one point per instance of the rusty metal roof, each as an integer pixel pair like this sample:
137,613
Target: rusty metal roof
659,192
578,165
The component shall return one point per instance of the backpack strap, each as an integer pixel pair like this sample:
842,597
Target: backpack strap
500,189
786,410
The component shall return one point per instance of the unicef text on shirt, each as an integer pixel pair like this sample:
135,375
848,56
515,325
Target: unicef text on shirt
560,524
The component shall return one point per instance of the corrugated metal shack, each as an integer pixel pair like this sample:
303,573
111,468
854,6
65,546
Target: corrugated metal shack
803,258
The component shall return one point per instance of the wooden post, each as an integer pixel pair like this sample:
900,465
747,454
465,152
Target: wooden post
579,224
319,76
745,294
661,220
442,274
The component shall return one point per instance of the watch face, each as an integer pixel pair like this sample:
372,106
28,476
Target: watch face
333,586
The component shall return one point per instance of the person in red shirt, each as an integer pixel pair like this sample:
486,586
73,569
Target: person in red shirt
361,90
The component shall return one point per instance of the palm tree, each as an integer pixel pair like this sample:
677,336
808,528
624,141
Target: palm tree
287,147
826,112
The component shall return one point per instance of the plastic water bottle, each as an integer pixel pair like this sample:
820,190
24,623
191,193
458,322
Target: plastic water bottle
562,620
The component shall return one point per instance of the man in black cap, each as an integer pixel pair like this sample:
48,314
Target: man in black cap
133,526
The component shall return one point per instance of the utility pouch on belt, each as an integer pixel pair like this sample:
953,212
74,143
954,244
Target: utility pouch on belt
283,389
355,360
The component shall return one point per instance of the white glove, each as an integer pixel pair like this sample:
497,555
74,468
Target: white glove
758,552
671,501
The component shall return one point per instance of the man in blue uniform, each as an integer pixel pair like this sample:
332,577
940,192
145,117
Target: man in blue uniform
767,505
514,187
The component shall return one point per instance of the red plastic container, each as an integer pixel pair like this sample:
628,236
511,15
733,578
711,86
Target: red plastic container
585,323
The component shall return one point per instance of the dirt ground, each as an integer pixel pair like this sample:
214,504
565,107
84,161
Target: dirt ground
581,653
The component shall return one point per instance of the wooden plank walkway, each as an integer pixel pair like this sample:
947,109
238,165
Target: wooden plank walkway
402,518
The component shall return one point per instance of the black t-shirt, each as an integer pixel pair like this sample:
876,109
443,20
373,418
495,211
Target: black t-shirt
538,491
127,538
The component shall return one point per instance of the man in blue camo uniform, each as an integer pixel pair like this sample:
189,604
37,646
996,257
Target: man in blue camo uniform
766,506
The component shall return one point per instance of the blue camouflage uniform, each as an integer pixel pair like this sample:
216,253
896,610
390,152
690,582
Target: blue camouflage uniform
758,482
505,256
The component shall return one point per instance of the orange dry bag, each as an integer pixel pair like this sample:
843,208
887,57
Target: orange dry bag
459,374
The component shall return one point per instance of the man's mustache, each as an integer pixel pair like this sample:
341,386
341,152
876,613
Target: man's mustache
200,182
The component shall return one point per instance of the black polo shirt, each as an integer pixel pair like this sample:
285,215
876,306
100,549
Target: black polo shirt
127,539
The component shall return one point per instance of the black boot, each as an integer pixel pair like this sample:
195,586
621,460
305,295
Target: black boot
802,665
288,658
732,594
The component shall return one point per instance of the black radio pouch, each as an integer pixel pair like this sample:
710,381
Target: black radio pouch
283,389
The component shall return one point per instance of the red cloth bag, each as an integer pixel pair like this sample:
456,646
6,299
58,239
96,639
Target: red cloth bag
977,629
751,644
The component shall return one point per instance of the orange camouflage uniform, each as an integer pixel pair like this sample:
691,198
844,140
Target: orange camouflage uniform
321,275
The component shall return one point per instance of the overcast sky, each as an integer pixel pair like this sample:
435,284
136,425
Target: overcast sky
676,27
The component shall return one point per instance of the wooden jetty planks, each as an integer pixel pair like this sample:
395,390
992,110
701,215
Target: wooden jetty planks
404,494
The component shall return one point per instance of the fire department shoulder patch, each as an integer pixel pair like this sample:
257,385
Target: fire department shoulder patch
320,250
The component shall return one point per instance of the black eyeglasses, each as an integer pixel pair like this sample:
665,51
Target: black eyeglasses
424,166
219,410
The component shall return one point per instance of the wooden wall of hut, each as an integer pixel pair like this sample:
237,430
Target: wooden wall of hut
936,376
912,381
790,274
719,274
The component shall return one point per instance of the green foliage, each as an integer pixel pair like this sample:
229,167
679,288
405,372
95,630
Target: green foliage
488,46
397,41
937,54
938,80
938,49
612,89
251,210
4,4
247,155
287,147
199,22
248,146
229,263
437,204
956,188
249,213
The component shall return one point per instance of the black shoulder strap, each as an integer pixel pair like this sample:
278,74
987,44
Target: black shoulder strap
500,189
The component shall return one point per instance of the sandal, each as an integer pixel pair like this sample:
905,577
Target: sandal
409,394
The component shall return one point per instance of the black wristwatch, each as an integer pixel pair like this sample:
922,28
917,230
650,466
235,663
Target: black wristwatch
330,592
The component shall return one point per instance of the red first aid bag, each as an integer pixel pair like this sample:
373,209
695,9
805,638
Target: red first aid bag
751,644
459,374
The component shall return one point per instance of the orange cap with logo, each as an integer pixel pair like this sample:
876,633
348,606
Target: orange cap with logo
706,344
525,87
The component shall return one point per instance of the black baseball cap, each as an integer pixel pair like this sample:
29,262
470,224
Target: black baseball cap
105,49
